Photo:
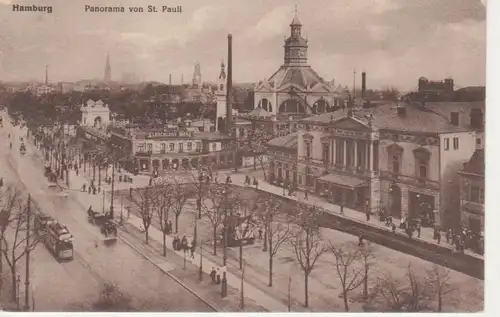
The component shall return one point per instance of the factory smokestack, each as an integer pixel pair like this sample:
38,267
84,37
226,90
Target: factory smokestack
170,79
229,85
363,85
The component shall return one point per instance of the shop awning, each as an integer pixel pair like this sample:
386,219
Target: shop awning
343,181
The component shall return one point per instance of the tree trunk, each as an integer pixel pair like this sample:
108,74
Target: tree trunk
241,255
255,163
99,179
1,269
164,243
93,173
215,240
346,302
306,289
365,284
265,240
14,283
177,223
440,302
270,270
146,231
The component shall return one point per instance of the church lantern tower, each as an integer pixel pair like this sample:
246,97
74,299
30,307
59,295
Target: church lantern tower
221,97
295,46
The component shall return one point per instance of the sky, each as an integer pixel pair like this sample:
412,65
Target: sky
394,41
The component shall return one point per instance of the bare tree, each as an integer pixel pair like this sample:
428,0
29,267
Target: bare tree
351,275
408,294
439,280
112,299
214,209
276,231
246,221
180,194
144,201
201,180
367,254
14,236
163,201
307,243
257,143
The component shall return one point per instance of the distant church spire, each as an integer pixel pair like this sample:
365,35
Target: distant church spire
222,74
197,75
46,74
107,70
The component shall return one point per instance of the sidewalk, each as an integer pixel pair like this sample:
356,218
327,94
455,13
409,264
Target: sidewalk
425,236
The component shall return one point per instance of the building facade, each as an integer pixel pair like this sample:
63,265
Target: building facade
472,193
295,88
161,150
393,158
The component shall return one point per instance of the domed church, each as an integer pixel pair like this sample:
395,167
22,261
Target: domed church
295,88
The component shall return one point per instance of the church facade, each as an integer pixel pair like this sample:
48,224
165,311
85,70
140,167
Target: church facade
295,88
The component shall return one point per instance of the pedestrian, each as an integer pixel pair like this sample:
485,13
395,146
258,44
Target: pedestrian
228,179
360,241
150,181
84,187
419,229
256,183
260,233
130,192
212,275
306,195
438,236
393,225
367,215
342,209
174,243
192,251
76,170
99,189
120,178
217,277
90,189
169,226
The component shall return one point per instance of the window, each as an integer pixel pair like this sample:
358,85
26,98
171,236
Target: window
478,141
171,147
181,147
308,149
214,147
141,147
198,146
150,148
190,146
241,132
396,164
446,144
476,194
422,169
163,148
455,143
454,118
326,154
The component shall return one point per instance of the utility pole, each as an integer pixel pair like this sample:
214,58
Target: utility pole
242,294
28,251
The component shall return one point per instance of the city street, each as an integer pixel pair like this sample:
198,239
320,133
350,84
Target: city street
94,262
387,261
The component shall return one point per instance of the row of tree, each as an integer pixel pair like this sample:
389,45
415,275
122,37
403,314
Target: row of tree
297,225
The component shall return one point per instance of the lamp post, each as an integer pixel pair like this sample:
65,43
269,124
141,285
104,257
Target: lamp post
200,269
225,192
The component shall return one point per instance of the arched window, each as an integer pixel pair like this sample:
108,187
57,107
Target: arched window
292,106
320,106
265,104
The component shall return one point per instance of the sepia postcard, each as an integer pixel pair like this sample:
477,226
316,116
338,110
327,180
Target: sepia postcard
242,156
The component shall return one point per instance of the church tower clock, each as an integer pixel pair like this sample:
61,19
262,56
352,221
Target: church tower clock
295,45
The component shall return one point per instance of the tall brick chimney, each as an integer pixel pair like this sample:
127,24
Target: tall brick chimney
363,85
229,85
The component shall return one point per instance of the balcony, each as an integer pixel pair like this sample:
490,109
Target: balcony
410,180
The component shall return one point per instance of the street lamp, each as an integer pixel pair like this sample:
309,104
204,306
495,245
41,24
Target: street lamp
225,193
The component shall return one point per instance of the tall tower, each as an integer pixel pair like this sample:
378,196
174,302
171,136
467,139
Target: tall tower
221,97
46,74
295,46
197,76
107,70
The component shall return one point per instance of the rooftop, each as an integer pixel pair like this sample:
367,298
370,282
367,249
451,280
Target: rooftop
289,141
386,117
475,165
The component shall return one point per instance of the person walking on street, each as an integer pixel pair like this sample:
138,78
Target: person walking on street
438,236
260,233
449,234
419,229
212,275
393,226
217,277
360,241
306,195
90,189
192,250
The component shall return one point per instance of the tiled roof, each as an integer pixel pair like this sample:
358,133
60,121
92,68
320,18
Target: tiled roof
259,112
446,108
302,76
289,141
475,164
386,117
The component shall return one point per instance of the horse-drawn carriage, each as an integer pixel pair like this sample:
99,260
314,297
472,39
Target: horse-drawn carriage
103,220
22,149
